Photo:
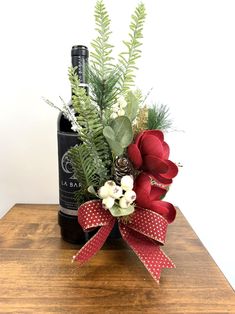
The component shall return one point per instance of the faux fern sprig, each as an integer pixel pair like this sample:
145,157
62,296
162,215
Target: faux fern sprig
101,56
91,130
102,74
127,60
84,170
107,81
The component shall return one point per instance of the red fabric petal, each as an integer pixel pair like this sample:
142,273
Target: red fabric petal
172,170
156,193
162,180
156,133
142,198
161,210
154,164
167,210
142,189
143,181
135,155
139,137
166,150
151,145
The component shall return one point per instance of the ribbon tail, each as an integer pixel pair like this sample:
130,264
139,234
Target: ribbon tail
148,251
94,244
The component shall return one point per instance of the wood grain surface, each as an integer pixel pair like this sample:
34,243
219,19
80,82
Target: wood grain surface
37,276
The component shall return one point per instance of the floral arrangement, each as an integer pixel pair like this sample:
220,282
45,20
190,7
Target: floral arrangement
123,162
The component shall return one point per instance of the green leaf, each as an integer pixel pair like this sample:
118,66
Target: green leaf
117,211
92,190
119,134
109,134
123,130
132,106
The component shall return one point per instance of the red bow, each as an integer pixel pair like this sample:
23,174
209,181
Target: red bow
144,233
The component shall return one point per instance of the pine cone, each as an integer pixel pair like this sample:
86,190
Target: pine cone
122,167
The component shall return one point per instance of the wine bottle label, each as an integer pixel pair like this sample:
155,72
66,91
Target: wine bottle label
68,184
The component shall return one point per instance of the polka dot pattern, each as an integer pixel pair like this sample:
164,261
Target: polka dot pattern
141,233
148,251
91,214
94,244
149,223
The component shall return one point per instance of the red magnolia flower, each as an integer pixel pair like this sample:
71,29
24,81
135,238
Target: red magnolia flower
150,153
148,196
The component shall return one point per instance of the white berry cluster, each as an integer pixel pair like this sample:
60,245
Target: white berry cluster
118,108
110,192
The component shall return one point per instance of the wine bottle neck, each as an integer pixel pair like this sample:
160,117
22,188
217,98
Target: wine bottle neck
81,63
80,56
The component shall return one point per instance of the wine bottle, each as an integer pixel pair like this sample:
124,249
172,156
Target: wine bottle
71,231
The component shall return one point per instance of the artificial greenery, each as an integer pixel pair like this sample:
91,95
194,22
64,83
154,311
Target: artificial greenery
103,89
101,55
102,74
90,131
132,107
119,135
117,211
104,132
85,169
141,120
100,135
128,58
139,96
159,118
107,79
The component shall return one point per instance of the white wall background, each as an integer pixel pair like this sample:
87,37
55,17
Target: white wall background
188,58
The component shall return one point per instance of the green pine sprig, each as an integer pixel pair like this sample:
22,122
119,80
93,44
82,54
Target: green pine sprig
127,59
159,118
103,91
107,80
102,73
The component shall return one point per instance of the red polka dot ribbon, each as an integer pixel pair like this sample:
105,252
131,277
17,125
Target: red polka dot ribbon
145,232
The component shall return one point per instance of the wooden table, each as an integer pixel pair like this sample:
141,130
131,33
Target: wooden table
36,274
